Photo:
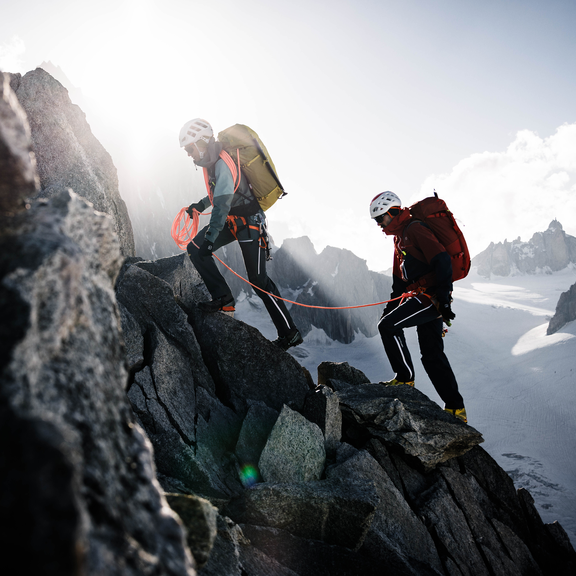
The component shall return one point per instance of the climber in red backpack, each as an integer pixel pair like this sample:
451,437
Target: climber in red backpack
418,256
236,215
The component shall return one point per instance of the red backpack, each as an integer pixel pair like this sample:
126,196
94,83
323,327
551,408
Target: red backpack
434,213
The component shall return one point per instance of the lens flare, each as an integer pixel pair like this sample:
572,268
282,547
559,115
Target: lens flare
248,475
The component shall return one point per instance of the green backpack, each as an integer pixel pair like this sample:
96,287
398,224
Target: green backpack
242,142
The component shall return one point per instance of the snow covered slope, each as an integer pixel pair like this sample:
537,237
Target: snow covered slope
519,385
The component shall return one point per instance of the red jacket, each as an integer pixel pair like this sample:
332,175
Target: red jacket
419,258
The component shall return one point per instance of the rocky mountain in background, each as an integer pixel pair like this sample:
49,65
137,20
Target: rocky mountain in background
550,250
67,153
565,311
333,278
140,435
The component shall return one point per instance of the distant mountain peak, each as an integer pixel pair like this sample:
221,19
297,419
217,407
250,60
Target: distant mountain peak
554,225
547,251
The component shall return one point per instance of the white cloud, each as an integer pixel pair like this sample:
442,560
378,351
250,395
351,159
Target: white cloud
10,55
503,195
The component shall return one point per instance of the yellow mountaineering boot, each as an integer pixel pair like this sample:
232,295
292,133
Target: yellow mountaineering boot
458,412
395,382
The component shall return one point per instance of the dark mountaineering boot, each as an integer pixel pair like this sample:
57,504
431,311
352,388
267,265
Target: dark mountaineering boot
222,304
293,338
395,382
460,413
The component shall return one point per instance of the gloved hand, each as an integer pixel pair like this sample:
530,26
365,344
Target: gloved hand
447,314
197,206
205,249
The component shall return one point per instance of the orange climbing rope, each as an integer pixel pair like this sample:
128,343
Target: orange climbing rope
185,228
183,234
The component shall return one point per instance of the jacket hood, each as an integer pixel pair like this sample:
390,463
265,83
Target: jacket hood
398,223
211,155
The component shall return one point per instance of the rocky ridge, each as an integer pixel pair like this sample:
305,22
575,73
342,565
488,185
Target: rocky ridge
112,379
325,479
79,494
67,153
565,311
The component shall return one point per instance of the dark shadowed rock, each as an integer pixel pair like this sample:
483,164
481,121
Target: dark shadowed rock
403,416
192,395
67,153
225,554
565,311
341,371
550,544
179,273
254,561
294,451
503,559
200,520
165,389
169,345
313,557
332,511
395,530
18,179
133,340
197,466
233,554
256,428
452,531
323,408
504,503
245,365
63,378
40,487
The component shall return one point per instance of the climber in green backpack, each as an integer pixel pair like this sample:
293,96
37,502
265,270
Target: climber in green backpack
237,214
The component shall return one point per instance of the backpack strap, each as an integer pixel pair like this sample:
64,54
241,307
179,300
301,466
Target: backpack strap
210,178
424,281
414,251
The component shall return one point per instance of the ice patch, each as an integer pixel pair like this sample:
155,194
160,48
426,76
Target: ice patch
503,296
537,338
530,474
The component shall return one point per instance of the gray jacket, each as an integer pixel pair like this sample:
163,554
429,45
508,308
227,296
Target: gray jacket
226,201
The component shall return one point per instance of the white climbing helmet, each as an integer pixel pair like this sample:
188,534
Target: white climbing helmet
195,130
383,202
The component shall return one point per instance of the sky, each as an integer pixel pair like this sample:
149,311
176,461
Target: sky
351,97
